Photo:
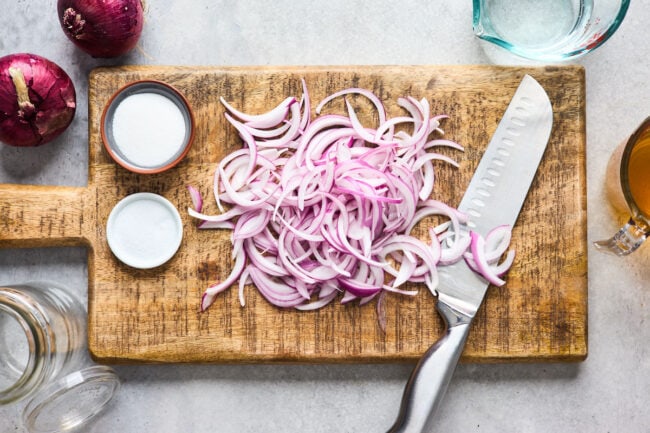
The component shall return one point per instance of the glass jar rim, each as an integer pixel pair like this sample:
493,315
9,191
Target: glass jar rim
71,401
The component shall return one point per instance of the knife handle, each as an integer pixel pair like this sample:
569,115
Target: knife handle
429,380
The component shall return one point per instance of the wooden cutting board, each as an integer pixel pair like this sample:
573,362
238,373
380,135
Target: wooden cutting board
153,315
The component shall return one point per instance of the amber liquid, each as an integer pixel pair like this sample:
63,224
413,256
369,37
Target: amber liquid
638,169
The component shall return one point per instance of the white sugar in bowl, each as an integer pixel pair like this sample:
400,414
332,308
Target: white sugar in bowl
147,127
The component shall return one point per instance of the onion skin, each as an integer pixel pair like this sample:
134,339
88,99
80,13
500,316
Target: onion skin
102,28
37,100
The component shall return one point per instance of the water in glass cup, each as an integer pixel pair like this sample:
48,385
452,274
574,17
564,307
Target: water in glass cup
547,30
553,21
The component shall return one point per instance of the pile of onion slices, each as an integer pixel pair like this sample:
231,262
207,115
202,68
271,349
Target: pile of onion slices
325,206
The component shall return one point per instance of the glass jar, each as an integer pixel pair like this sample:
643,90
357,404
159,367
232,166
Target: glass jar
44,357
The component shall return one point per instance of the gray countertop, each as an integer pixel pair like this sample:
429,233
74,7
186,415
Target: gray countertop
609,392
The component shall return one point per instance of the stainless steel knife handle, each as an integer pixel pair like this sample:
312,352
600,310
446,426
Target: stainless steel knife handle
431,376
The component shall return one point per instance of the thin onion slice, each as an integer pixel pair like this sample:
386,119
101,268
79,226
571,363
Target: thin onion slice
484,254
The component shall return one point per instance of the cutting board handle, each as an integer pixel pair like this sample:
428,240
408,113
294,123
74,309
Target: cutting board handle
43,216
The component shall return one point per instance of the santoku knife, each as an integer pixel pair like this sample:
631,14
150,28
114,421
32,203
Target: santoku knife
494,197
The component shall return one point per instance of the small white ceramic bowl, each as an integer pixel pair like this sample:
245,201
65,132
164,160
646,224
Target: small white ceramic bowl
144,230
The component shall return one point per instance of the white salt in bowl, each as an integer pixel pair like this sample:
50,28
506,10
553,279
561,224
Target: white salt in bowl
147,127
144,230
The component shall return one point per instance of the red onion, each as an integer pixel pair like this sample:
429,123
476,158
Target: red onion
326,206
102,28
37,100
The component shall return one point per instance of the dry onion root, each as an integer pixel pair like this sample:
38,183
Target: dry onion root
325,206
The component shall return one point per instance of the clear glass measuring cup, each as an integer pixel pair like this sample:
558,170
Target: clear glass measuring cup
44,358
628,191
548,30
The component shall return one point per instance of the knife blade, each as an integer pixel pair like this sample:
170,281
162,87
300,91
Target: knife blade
494,197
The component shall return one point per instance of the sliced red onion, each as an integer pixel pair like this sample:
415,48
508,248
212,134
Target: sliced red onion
379,106
244,279
315,305
484,260
211,292
325,206
197,200
269,119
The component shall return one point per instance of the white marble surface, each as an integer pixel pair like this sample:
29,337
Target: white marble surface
606,393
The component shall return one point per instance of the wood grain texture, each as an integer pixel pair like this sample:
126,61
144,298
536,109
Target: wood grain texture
153,315
44,216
